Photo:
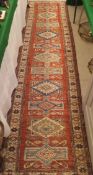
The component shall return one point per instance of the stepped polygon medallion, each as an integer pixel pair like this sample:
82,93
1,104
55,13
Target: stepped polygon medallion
45,127
46,154
47,34
47,57
46,87
42,25
47,46
46,105
46,70
47,15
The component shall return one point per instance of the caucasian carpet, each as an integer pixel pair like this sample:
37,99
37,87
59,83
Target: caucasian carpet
47,126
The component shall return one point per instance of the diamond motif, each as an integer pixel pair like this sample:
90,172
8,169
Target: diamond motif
46,87
47,15
47,35
52,24
46,127
47,57
46,70
46,154
45,105
47,46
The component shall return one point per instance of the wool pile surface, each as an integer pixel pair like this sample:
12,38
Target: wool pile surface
47,127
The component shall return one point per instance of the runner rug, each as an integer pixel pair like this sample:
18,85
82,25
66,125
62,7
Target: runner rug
47,127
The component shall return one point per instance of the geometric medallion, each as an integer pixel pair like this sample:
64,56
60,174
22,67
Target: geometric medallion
52,24
46,105
46,87
46,70
47,57
47,35
46,154
45,127
47,15
47,46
